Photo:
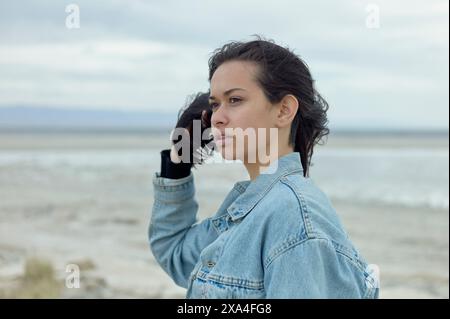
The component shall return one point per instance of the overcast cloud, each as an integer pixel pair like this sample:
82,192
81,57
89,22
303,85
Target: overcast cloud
148,55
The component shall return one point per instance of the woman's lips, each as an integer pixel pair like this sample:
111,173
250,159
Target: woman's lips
222,140
222,137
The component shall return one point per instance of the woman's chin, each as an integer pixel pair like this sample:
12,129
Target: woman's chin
229,156
227,153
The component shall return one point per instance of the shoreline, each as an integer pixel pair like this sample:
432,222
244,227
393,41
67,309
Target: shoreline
145,140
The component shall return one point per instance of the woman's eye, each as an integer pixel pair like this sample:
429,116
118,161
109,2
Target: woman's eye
234,100
214,106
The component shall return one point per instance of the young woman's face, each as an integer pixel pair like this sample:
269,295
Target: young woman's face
239,104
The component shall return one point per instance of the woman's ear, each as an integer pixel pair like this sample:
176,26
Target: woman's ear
288,108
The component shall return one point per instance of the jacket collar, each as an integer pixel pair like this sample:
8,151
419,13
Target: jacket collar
253,191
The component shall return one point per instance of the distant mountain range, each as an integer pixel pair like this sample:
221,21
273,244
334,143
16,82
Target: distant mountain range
47,118
35,118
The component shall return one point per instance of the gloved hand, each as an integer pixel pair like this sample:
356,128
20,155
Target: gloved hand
197,110
172,164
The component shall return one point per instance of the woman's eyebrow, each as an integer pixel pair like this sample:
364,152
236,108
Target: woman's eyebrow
228,92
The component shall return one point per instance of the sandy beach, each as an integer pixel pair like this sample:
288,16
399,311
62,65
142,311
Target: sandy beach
86,199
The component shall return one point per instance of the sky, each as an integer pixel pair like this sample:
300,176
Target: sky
379,64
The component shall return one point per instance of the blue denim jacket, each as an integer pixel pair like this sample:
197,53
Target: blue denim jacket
275,237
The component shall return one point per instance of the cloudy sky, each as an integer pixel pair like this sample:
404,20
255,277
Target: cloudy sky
380,64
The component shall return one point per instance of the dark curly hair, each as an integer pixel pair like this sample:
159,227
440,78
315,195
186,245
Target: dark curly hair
282,72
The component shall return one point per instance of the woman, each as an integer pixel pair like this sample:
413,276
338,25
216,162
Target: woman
275,235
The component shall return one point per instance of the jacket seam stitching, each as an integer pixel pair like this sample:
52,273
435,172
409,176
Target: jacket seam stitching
232,281
303,208
287,246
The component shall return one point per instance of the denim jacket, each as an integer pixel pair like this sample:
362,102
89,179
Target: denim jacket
274,237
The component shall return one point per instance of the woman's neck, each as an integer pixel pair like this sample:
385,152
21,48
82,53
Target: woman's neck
255,169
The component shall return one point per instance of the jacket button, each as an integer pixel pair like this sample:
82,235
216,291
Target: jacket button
210,264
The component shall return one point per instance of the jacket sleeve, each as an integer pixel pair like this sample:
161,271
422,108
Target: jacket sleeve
312,269
176,238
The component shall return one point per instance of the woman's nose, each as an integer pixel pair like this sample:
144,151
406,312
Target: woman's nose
219,118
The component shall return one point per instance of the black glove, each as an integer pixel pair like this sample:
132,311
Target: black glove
197,109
